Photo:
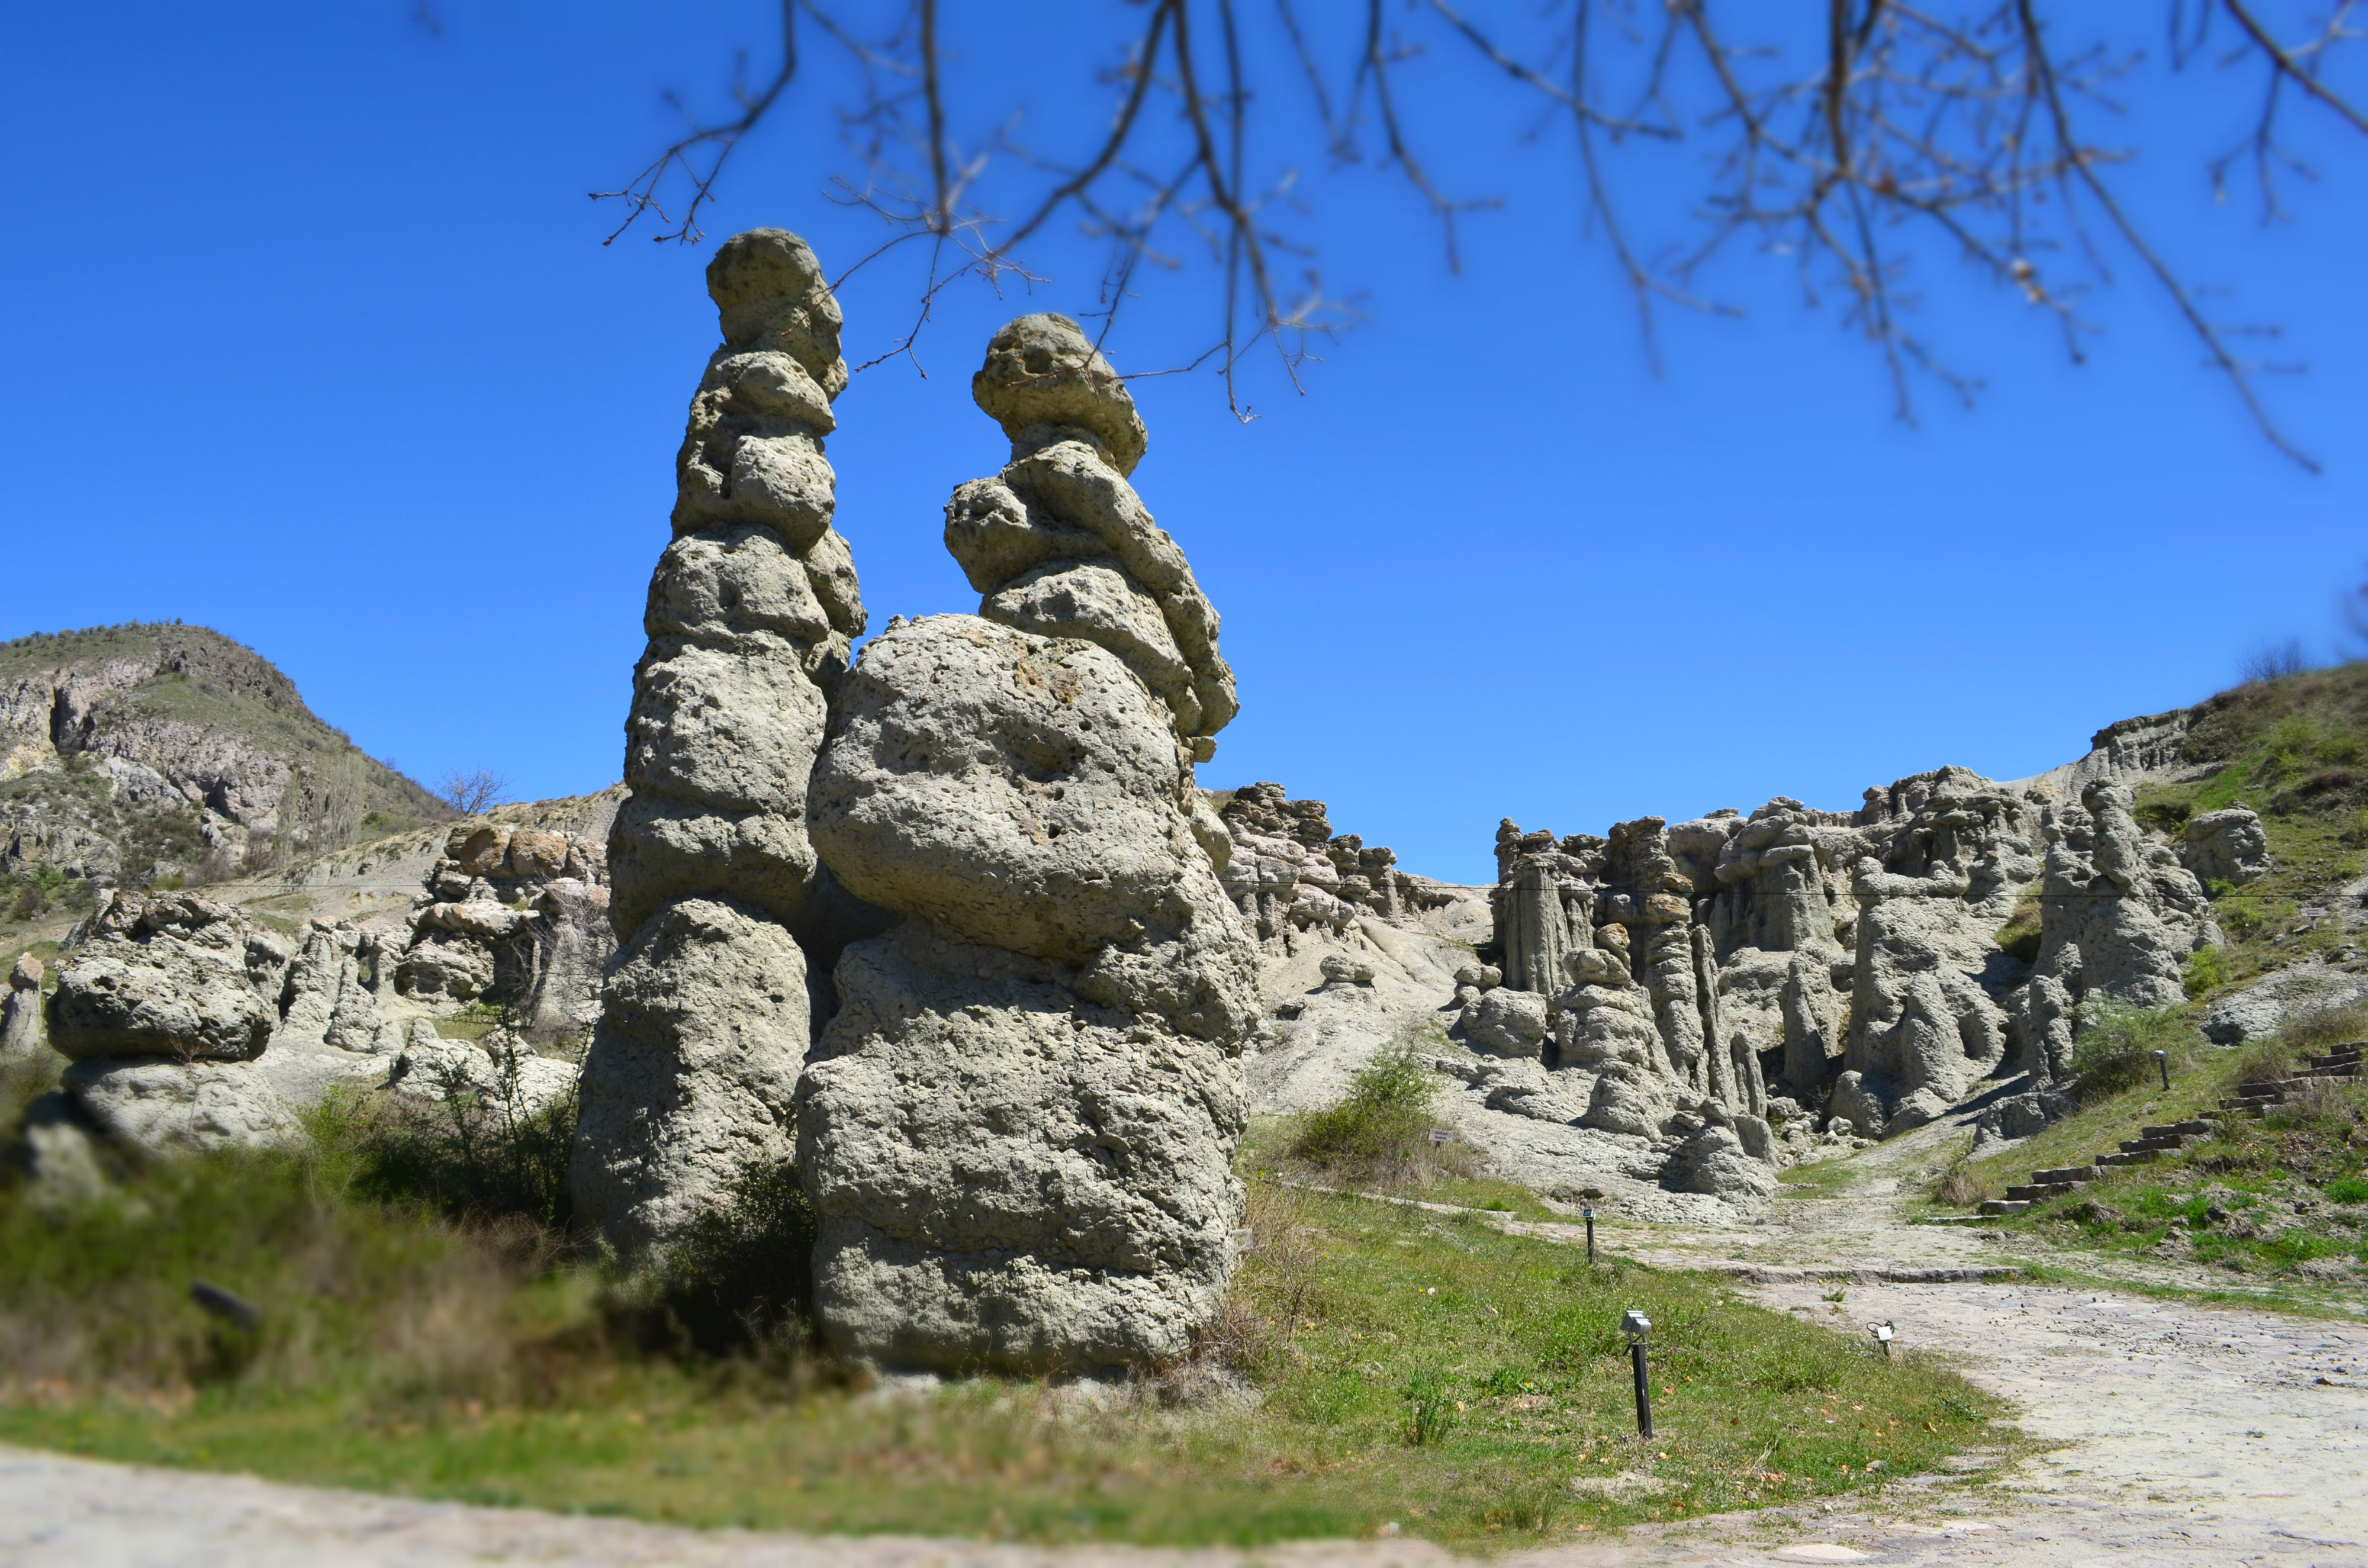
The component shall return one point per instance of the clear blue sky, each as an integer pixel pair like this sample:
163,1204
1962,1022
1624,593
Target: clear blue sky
310,338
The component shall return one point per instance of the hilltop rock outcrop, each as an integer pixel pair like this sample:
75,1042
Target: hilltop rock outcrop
1018,1130
710,1006
1287,871
146,751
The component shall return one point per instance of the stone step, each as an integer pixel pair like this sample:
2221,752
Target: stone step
2177,1129
2157,1145
2066,1174
2004,1205
2039,1192
2129,1157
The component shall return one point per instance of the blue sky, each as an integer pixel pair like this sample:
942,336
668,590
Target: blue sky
310,338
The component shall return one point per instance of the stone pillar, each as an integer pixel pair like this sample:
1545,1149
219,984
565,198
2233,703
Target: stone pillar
706,1014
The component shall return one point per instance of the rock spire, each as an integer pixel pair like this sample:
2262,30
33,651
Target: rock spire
708,1009
1018,1131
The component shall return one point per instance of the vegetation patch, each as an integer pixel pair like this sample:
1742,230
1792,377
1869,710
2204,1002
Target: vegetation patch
1376,1365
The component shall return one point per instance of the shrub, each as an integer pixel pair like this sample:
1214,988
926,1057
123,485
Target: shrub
1381,1130
2312,1029
1959,1188
2020,935
478,1151
742,1279
2206,970
2117,1043
2272,661
1430,1407
2348,1189
2265,1062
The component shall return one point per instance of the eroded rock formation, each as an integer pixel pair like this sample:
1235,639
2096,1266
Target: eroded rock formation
2228,846
1685,961
20,1014
1289,871
191,1028
518,910
1018,1130
710,1005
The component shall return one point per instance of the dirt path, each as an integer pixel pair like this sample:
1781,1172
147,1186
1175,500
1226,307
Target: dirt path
2176,1434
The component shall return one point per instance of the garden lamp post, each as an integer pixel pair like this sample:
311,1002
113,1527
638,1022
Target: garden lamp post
1638,1325
1882,1333
2162,1061
1588,1209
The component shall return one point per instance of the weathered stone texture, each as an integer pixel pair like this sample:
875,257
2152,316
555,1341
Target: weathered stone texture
1018,1130
706,1014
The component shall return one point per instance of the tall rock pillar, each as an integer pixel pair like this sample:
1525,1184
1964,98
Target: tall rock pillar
1018,1132
706,1014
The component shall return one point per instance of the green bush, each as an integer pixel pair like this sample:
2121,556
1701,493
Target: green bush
2020,935
2207,970
2117,1043
1380,1129
2348,1189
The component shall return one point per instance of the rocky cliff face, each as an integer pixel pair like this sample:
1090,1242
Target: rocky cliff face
1018,1132
133,753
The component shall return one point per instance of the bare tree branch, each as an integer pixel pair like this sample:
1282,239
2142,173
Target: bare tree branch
1857,149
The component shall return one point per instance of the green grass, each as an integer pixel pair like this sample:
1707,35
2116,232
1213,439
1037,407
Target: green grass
1824,1178
2229,1201
1430,1370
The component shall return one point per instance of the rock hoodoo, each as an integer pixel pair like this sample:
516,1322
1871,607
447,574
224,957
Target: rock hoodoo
709,1010
1018,1131
20,1013
1683,963
191,1028
520,911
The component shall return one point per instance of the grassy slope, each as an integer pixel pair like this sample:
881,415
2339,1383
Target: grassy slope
401,1352
2296,751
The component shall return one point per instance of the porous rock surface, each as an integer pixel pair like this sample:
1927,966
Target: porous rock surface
21,1034
707,1010
516,910
189,1028
1018,1130
2228,846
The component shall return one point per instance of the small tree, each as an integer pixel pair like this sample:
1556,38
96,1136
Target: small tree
2273,661
472,791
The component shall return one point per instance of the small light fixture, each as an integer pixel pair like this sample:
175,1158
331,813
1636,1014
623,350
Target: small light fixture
2162,1062
1636,1324
1882,1333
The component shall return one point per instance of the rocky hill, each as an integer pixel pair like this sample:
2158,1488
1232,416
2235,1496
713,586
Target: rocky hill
138,754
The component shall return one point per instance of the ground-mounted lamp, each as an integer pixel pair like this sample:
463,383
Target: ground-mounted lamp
2162,1061
1882,1333
1636,1325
